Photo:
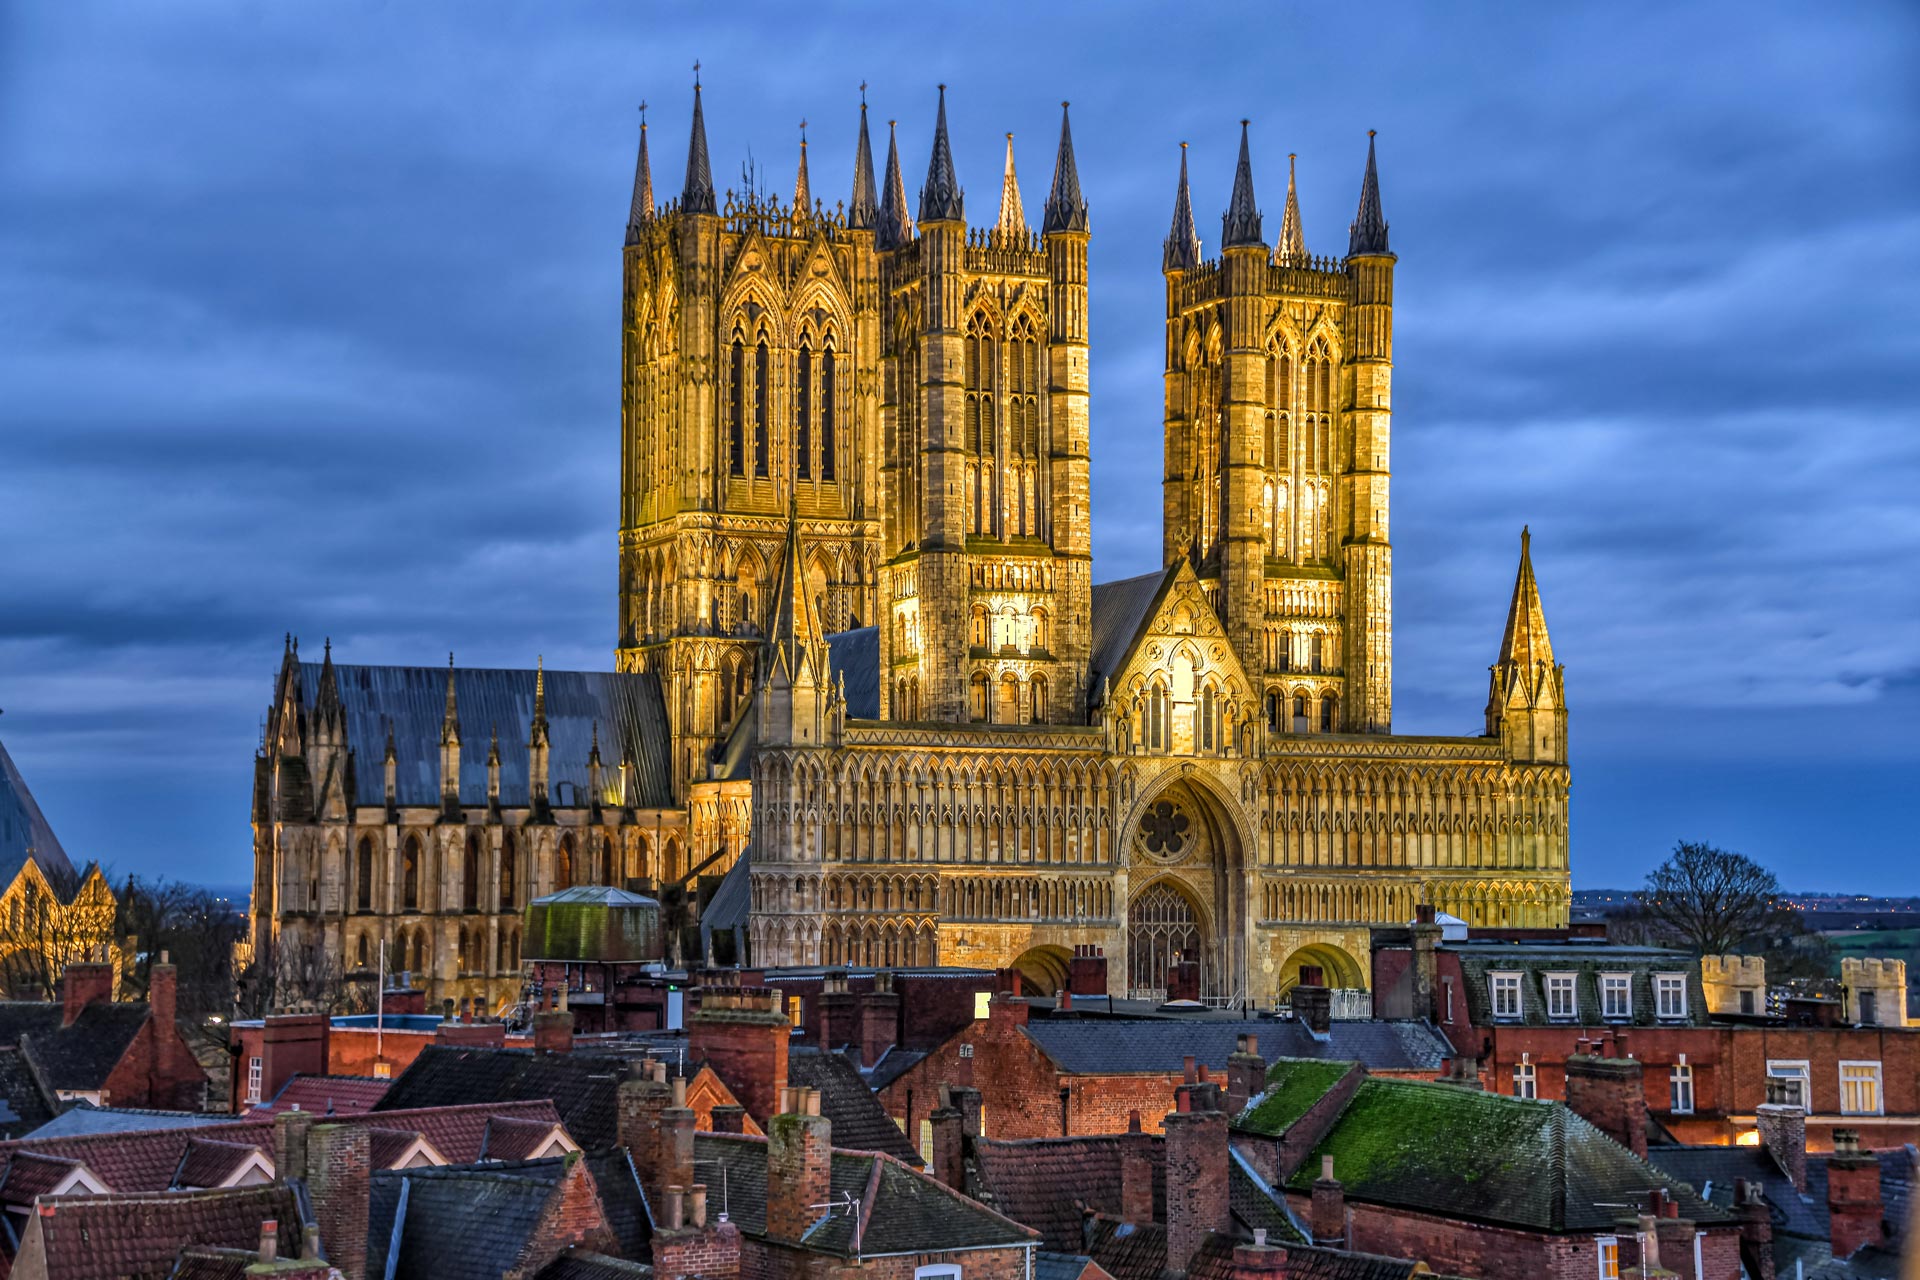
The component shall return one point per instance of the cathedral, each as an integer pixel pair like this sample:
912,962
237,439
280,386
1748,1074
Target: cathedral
869,706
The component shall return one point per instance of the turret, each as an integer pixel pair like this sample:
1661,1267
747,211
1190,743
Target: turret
696,196
1182,249
1362,502
1064,227
1526,697
450,754
593,774
390,763
538,801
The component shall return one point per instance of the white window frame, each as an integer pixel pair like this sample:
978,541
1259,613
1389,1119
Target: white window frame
1526,1079
1557,984
1680,1081
1797,1069
1506,981
254,1080
939,1271
1664,983
1616,984
1607,1251
1879,1092
1448,984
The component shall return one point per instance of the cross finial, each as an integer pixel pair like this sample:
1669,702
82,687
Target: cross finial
803,131
696,73
1371,133
643,113
863,93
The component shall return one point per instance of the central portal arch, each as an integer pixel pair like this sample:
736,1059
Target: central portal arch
1187,896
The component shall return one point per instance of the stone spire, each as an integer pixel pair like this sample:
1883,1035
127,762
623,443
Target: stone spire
795,692
1240,224
539,800
1293,242
1066,207
1369,232
896,227
802,188
450,722
792,630
864,209
538,734
329,713
1526,693
642,209
1013,219
941,198
1182,251
1525,642
697,197
450,752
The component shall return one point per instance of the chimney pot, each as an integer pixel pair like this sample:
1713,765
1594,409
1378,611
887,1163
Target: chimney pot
679,1091
1187,1069
1326,1167
269,1240
676,1206
697,1205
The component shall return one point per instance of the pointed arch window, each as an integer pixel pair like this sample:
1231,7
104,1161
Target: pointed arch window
470,875
1039,689
977,688
1329,707
760,362
563,864
363,873
410,874
803,413
508,855
736,411
828,410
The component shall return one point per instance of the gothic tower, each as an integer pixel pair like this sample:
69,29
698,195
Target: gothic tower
1278,405
749,391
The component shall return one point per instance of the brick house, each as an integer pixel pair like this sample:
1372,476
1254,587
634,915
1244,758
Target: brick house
88,1047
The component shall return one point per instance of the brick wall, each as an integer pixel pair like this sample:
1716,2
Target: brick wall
338,1178
573,1217
158,1069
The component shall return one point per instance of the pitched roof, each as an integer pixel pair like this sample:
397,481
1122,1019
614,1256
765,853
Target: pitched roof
583,1089
1293,1085
1214,1261
327,1095
24,828
78,1058
84,1117
139,1237
1119,610
1478,1156
623,1200
625,707
456,1222
1533,962
1044,1182
1712,1172
854,656
213,1264
514,1138
209,1162
1048,1265
860,1123
584,1264
1100,1046
904,1211
1125,1250
29,1175
25,1102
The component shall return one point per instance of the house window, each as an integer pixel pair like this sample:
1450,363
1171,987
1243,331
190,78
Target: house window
982,1000
796,1011
945,1271
1525,1081
1609,1257
1793,1077
1860,1088
1616,997
1682,1082
253,1080
1560,1001
1447,985
1506,994
1670,994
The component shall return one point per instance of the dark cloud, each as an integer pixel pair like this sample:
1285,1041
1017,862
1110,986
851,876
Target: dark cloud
308,322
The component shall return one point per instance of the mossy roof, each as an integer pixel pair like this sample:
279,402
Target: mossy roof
1466,1154
1293,1086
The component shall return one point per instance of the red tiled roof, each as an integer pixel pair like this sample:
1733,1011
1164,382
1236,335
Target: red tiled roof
324,1095
140,1236
209,1162
512,1138
147,1160
29,1175
386,1146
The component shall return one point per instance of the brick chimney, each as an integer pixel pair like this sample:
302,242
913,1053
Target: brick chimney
163,986
685,1243
553,1028
799,1166
1783,1131
1259,1260
743,1034
1196,1148
1312,1002
1426,974
1756,1229
656,1127
970,1105
1246,1074
290,1131
1087,971
1854,1205
877,1024
1463,1072
291,1043
339,1172
80,986
1610,1093
949,1144
1328,1214
1136,1184
839,1012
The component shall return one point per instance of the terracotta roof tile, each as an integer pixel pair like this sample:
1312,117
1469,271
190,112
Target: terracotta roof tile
209,1162
327,1095
29,1175
1043,1182
140,1237
512,1138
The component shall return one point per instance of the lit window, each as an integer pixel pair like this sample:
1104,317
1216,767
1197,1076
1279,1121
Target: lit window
1609,1257
1670,994
1525,1081
253,1079
982,1000
1793,1079
1616,996
1560,1001
1506,994
796,1011
1682,1082
1860,1088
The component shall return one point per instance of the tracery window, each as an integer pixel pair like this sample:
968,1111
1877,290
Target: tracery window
760,359
829,412
563,864
980,440
364,890
507,869
1162,929
410,874
470,875
803,413
736,411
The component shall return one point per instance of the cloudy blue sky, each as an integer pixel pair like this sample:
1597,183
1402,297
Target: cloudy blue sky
308,321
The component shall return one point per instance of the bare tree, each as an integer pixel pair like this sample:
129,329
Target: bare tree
295,973
1713,901
194,929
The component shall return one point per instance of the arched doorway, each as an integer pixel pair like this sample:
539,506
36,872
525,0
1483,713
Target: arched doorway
1187,893
1337,968
1043,970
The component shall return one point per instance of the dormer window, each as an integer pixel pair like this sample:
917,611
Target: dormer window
1505,989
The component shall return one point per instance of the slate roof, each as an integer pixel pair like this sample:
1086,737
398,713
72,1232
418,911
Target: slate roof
1481,1157
456,1222
1214,1261
84,1117
23,827
78,1058
1048,1265
1712,1171
623,1200
860,1123
1098,1046
584,1088
1533,960
586,1265
855,656
908,1212
1120,609
626,707
139,1237
327,1095
25,1105
1256,1206
148,1161
731,902
1043,1182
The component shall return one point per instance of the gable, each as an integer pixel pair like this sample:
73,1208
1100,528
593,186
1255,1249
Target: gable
1180,646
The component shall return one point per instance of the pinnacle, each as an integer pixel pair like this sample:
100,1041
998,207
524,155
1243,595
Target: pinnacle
896,227
802,187
642,207
1240,224
1066,207
1013,219
1293,243
1369,231
864,209
941,199
1182,252
1525,642
697,197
